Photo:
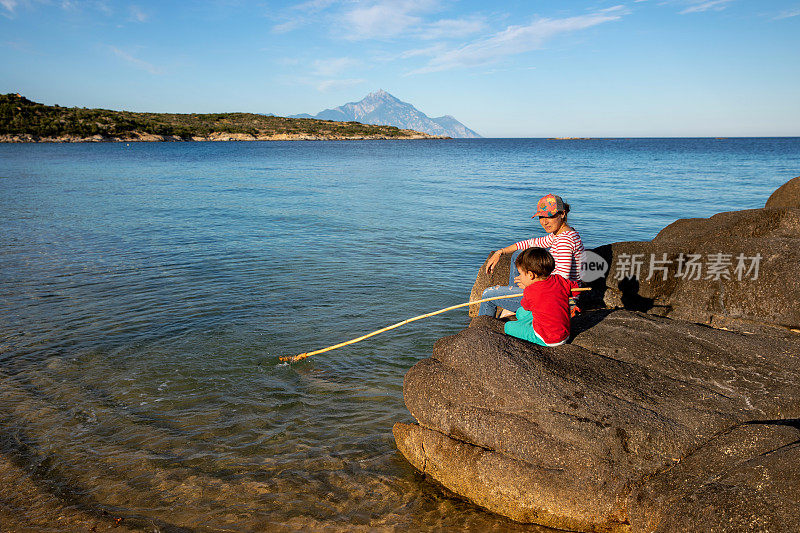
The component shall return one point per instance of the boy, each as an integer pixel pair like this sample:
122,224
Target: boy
544,316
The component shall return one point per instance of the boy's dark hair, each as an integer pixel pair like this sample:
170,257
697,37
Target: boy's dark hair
536,260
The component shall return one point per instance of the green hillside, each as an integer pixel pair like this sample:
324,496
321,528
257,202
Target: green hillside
18,115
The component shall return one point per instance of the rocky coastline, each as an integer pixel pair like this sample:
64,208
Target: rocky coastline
217,136
674,407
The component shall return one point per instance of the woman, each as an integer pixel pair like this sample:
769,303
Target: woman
563,242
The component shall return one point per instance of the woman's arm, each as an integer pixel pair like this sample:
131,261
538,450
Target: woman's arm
490,264
539,242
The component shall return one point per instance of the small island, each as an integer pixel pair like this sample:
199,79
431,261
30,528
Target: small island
22,120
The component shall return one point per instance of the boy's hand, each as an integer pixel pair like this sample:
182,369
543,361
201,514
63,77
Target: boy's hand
518,282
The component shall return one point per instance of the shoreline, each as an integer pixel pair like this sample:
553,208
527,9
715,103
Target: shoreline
213,137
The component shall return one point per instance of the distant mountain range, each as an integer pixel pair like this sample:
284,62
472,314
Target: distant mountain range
381,107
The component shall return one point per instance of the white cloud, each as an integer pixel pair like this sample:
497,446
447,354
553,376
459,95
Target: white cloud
358,20
324,74
21,46
9,5
285,61
706,5
434,50
333,67
286,27
137,15
329,85
516,40
144,65
452,28
313,6
67,5
385,18
302,14
378,21
789,13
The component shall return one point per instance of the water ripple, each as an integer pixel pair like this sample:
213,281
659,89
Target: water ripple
146,293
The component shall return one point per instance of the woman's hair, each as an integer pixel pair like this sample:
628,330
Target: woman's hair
565,211
536,260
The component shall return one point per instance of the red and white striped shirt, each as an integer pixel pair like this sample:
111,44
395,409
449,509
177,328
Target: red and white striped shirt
566,248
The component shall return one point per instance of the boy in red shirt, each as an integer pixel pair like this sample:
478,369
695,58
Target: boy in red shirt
544,316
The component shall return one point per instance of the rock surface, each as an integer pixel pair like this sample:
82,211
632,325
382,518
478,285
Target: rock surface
628,427
649,419
483,280
787,195
723,291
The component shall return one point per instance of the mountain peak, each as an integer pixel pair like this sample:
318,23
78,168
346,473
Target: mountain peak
380,95
380,107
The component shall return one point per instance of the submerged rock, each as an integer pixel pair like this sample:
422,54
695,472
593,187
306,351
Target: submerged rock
642,422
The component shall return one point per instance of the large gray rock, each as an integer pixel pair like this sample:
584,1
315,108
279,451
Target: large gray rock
499,276
744,479
649,420
768,239
642,423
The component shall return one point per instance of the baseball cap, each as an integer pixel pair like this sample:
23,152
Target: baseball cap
548,206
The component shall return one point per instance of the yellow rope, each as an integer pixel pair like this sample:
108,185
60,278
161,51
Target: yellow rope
298,357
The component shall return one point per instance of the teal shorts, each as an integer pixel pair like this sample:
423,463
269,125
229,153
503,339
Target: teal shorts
522,328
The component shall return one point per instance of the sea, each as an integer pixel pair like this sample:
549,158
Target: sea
147,291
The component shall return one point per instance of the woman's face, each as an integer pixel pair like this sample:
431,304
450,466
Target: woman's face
552,224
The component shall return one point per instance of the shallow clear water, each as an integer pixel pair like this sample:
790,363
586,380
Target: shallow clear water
147,290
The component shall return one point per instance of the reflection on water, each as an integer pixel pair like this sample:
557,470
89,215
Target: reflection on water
146,293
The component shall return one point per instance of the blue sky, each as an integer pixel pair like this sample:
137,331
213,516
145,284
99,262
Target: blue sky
505,69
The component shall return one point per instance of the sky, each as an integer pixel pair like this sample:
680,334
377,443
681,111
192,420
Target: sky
546,68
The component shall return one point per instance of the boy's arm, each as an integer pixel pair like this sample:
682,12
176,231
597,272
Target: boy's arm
527,302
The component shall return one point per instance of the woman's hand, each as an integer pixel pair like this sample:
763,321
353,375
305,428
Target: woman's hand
490,264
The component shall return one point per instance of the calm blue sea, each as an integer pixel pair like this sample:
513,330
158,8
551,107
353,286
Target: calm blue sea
147,291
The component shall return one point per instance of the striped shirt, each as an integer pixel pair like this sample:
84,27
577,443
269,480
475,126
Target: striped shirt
566,248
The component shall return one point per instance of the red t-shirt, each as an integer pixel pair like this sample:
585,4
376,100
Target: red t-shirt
548,302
